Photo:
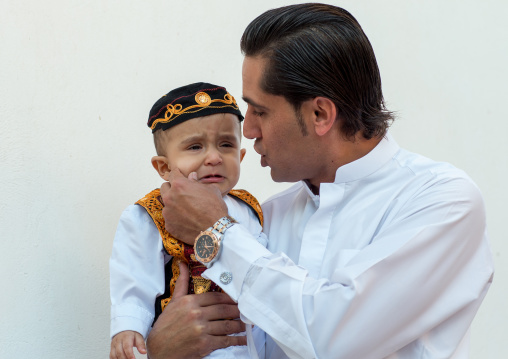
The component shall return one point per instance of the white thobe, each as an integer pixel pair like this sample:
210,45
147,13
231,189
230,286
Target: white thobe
389,261
137,270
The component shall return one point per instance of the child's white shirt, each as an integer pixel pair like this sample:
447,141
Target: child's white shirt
137,270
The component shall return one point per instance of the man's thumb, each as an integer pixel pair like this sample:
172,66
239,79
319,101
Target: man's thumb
182,283
193,176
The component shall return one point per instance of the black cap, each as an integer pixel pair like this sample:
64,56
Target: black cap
191,101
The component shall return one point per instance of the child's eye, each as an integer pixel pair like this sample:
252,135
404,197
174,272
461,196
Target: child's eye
194,147
227,144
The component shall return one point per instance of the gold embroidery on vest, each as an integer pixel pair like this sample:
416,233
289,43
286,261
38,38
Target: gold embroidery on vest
250,200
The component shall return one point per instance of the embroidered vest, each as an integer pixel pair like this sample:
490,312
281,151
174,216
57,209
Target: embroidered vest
183,252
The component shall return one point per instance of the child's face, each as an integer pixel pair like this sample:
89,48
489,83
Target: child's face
209,146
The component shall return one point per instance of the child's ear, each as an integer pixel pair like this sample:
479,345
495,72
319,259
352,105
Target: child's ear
160,163
242,154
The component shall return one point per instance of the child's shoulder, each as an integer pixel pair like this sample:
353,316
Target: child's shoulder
246,199
152,198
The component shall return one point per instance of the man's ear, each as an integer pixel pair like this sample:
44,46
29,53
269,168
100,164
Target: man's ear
160,163
325,114
242,154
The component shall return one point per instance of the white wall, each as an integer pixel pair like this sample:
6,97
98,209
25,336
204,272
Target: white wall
77,80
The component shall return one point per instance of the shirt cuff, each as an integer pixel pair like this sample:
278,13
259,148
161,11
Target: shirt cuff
130,317
240,249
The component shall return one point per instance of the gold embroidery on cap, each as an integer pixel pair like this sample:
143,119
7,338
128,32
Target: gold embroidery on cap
203,98
203,101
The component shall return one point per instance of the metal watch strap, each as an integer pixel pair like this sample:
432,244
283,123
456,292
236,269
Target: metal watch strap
218,230
222,225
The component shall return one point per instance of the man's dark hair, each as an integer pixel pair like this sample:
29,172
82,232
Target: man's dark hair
320,50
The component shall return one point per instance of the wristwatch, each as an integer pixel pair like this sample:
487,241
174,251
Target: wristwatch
207,247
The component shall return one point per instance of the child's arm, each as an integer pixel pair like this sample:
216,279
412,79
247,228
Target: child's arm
136,272
123,342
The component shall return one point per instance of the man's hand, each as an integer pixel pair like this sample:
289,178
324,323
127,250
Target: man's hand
193,326
190,206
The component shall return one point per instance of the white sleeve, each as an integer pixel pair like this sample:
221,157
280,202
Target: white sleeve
246,216
136,272
429,268
250,225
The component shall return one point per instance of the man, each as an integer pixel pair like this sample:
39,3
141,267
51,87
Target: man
375,253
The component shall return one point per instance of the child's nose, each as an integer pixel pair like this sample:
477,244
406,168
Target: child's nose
213,157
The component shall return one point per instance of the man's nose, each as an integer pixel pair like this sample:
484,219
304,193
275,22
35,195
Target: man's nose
251,126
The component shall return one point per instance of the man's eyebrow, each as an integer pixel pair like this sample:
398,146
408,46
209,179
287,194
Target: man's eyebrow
253,103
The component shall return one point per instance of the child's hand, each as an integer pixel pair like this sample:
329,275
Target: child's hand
123,342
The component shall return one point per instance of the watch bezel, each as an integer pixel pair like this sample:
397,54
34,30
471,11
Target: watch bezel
215,251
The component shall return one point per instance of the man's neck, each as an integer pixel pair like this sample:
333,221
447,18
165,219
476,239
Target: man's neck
344,152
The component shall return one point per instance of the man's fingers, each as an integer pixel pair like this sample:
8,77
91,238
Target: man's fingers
225,327
182,283
166,186
213,298
227,341
208,343
194,325
221,311
174,174
193,176
238,340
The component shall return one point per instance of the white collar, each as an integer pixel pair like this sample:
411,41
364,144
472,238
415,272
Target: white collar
366,165
370,163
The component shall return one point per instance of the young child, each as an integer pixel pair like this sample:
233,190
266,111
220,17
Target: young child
197,129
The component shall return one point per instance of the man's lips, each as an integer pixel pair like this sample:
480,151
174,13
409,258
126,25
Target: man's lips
264,163
212,179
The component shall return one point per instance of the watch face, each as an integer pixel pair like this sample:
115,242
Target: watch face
205,248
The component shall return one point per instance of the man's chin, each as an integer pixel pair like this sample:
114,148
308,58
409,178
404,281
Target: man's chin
280,176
